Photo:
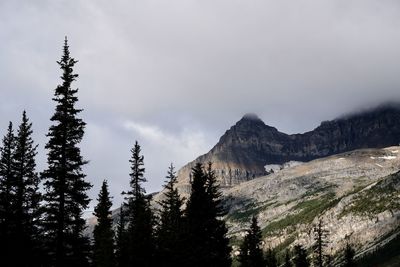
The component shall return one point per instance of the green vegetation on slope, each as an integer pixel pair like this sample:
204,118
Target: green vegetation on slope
306,212
379,198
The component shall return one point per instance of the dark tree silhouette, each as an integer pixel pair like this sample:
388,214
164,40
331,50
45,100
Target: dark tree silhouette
349,254
65,183
140,217
287,262
169,234
103,235
251,253
271,259
26,201
206,241
7,193
320,243
300,257
121,250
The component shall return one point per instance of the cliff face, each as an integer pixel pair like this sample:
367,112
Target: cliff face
243,151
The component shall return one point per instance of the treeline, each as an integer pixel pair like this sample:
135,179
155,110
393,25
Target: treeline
251,253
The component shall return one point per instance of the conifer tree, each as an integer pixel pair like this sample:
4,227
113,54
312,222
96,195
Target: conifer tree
320,242
271,259
251,253
65,184
140,217
300,257
121,250
103,250
219,242
206,241
349,254
26,202
7,194
169,234
287,262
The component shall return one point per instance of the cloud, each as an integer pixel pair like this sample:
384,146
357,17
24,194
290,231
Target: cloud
171,147
182,72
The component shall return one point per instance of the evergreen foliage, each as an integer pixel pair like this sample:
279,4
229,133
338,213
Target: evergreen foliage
141,247
349,254
271,259
103,249
65,183
169,234
121,250
287,262
300,257
27,235
251,253
320,243
206,241
7,194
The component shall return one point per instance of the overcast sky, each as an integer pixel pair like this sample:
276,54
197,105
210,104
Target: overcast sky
174,75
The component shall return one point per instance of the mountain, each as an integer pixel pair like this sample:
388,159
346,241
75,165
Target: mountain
356,195
243,152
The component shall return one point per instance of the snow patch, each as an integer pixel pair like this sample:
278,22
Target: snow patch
388,157
384,157
394,151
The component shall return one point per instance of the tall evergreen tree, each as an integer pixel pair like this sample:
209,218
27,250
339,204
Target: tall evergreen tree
103,235
121,247
349,254
7,194
140,217
271,259
206,241
251,253
300,257
26,203
65,184
169,234
287,262
320,242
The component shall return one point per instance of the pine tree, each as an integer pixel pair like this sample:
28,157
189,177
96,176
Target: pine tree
205,232
65,184
169,236
103,235
287,263
7,194
219,242
320,236
121,250
271,259
349,254
26,203
300,257
140,217
251,253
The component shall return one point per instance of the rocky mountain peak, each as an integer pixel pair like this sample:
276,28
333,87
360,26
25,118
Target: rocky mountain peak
248,146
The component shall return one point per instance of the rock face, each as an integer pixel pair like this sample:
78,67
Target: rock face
243,151
356,194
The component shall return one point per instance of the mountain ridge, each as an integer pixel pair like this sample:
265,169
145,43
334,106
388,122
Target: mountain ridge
244,150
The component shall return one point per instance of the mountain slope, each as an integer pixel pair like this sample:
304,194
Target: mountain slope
243,151
356,194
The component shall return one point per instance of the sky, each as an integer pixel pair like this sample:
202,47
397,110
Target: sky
175,75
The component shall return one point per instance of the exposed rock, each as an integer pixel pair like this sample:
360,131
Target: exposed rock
247,147
356,194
